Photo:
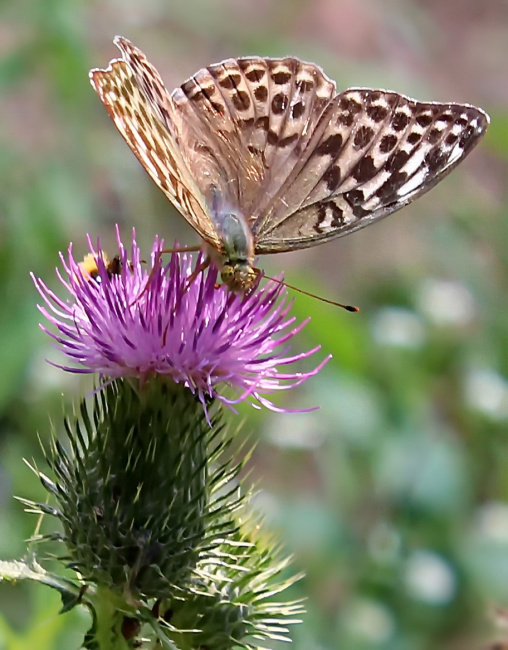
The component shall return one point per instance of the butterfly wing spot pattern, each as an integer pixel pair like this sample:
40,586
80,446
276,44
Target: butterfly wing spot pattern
263,156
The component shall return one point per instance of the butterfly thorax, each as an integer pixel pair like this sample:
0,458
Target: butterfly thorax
236,254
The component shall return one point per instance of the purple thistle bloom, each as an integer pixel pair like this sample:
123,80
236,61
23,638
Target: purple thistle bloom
116,324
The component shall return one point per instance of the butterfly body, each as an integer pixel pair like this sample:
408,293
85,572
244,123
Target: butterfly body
235,254
263,156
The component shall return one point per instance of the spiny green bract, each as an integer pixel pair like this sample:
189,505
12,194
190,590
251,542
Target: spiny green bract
134,489
156,525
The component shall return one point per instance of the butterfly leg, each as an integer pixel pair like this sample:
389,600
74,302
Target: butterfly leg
189,280
156,263
199,269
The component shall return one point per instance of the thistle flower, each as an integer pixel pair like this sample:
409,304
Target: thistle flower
147,493
123,320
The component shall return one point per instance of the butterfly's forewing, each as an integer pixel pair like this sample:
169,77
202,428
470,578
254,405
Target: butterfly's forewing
139,105
372,153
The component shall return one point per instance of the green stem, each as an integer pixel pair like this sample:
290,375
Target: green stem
107,633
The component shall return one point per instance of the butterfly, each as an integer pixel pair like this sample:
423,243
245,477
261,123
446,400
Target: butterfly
263,155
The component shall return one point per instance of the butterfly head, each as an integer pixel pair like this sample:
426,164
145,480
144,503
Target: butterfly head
238,276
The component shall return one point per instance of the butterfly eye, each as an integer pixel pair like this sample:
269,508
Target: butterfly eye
227,274
239,276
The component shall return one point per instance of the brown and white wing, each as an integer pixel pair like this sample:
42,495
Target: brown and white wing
370,153
270,139
141,108
251,119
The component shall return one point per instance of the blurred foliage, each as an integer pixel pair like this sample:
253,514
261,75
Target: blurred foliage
392,496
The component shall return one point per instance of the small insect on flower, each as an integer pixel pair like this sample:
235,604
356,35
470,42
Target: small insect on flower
264,156
189,333
90,269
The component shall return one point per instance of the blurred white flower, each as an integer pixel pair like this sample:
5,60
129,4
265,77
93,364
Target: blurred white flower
369,620
492,521
429,578
487,391
398,327
446,302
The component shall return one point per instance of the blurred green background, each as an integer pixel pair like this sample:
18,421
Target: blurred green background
392,496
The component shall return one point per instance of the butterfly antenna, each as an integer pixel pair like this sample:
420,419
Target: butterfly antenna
313,295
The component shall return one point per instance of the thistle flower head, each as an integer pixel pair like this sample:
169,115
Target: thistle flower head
123,319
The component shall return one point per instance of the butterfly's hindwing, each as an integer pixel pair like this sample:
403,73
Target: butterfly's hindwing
379,151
